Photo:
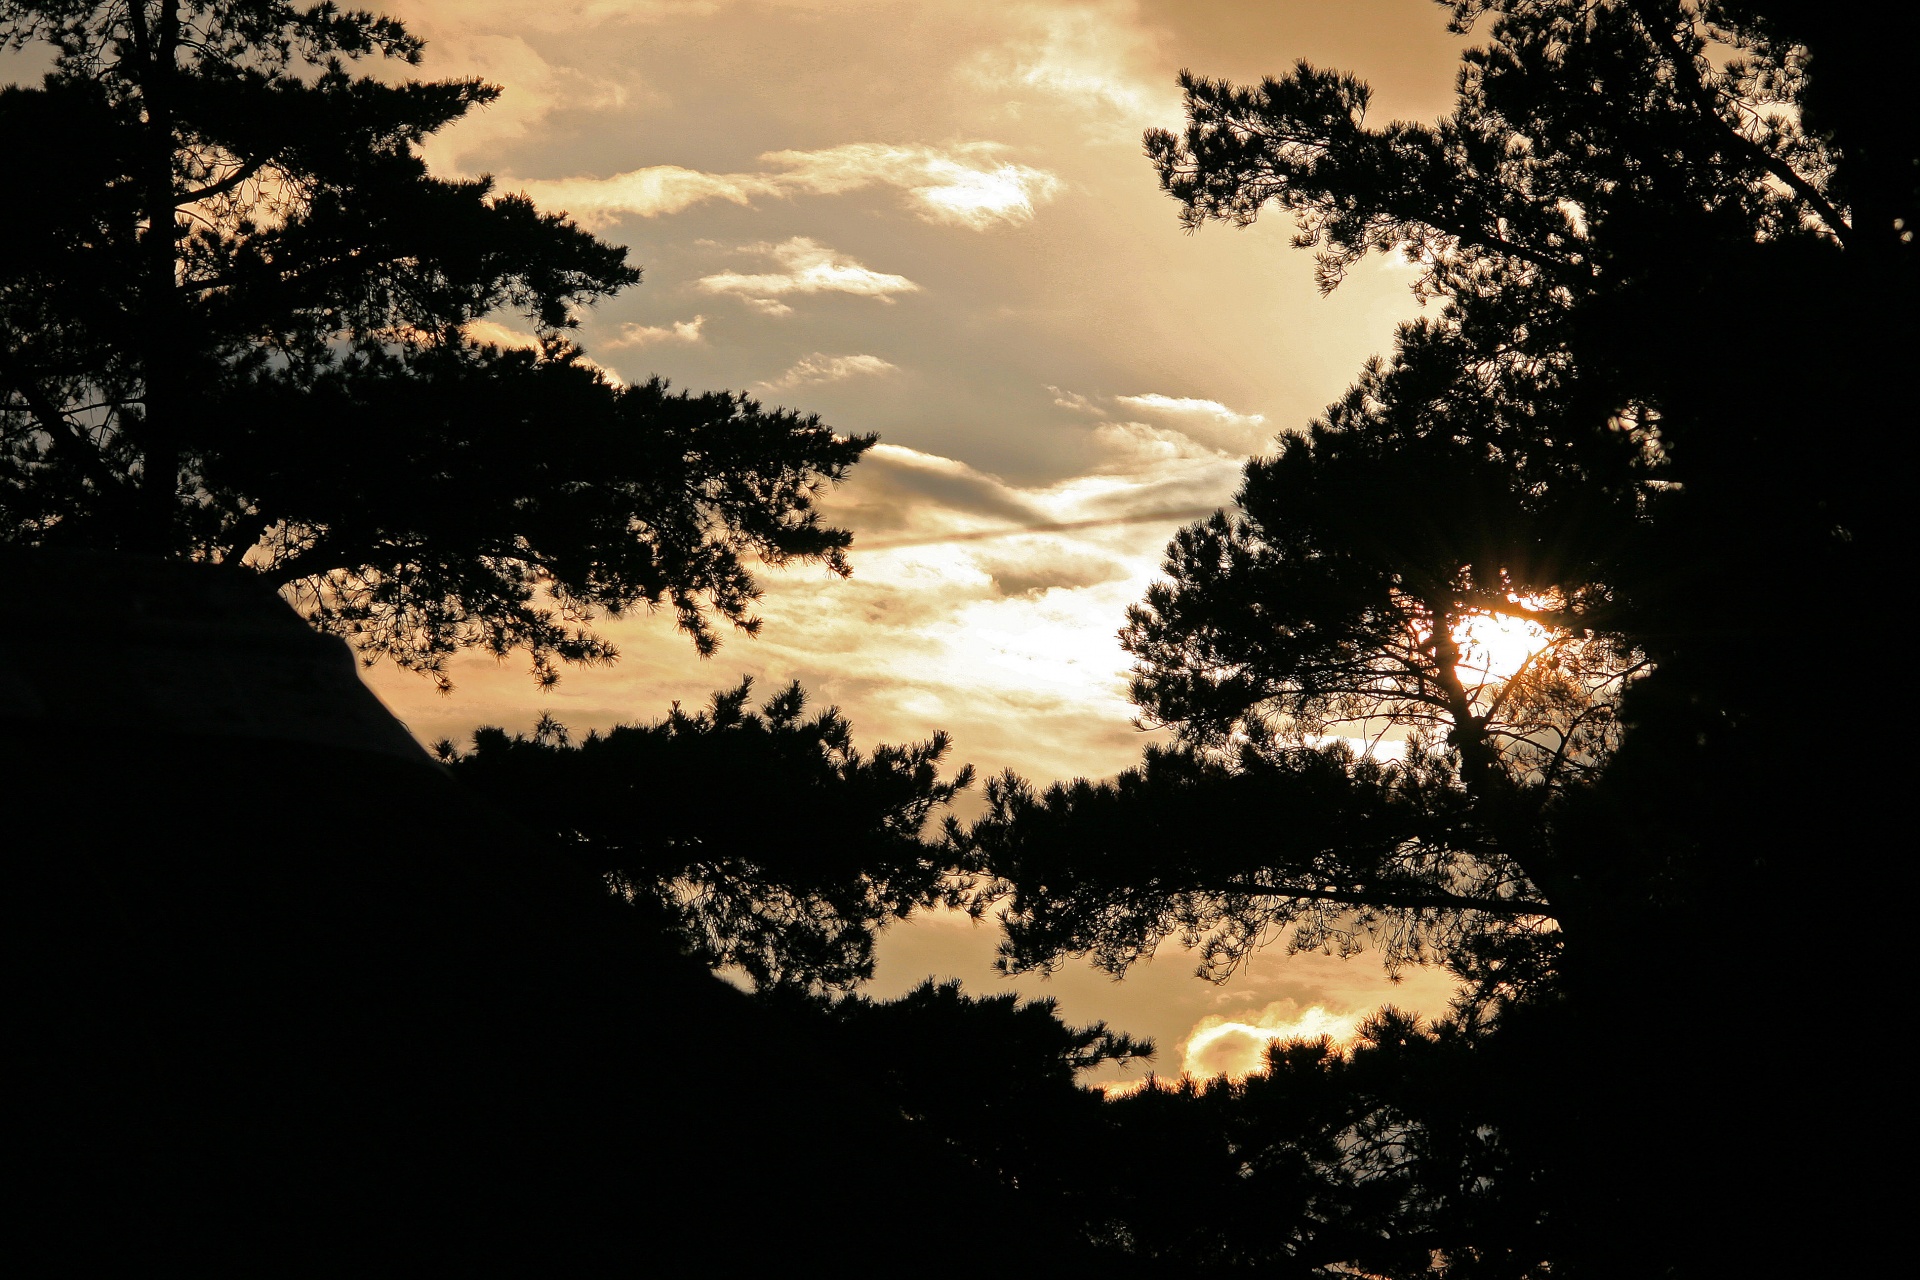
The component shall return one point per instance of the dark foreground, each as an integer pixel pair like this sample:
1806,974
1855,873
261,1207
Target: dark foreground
285,996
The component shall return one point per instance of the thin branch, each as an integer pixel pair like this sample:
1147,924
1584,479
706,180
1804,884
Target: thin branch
1392,899
1688,74
62,428
224,185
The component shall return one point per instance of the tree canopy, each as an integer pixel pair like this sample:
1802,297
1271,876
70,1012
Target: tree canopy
240,323
1580,437
765,839
1650,417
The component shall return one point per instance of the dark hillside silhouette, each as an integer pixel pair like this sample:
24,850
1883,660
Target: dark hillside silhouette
287,996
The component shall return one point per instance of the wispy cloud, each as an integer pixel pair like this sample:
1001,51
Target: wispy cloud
1093,58
647,193
805,267
551,15
1072,400
1208,421
978,604
820,367
1137,430
966,184
646,335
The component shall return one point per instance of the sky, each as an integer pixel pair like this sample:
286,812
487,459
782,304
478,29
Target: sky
932,220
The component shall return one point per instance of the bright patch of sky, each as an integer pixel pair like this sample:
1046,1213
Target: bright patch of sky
931,219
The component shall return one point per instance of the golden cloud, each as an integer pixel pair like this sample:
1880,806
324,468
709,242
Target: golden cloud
819,367
1095,59
644,335
1237,1047
966,184
805,267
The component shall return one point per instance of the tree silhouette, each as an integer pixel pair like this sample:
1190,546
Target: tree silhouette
765,839
1586,434
240,326
993,1078
1527,452
1380,1155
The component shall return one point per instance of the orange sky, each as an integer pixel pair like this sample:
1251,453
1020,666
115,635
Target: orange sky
931,219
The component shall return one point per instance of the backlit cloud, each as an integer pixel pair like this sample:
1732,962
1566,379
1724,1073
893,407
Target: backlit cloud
898,490
1072,400
646,193
643,335
553,15
1237,1047
805,267
967,184
1207,421
977,605
487,39
1177,429
1093,58
820,367
493,333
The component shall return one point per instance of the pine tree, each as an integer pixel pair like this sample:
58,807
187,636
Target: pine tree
238,325
764,840
1652,412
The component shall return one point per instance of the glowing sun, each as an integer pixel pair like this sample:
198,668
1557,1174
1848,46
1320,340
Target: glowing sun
1495,647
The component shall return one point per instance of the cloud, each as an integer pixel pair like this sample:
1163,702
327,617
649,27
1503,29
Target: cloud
897,490
1130,447
965,184
1237,1047
550,15
495,334
820,367
1093,58
806,267
1188,407
647,193
1177,429
1034,571
643,335
486,39
1072,400
1207,421
978,605
960,184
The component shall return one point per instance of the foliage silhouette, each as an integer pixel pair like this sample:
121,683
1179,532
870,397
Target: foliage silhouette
1528,451
1374,1155
764,839
1187,846
243,325
1379,1157
993,1079
1586,434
